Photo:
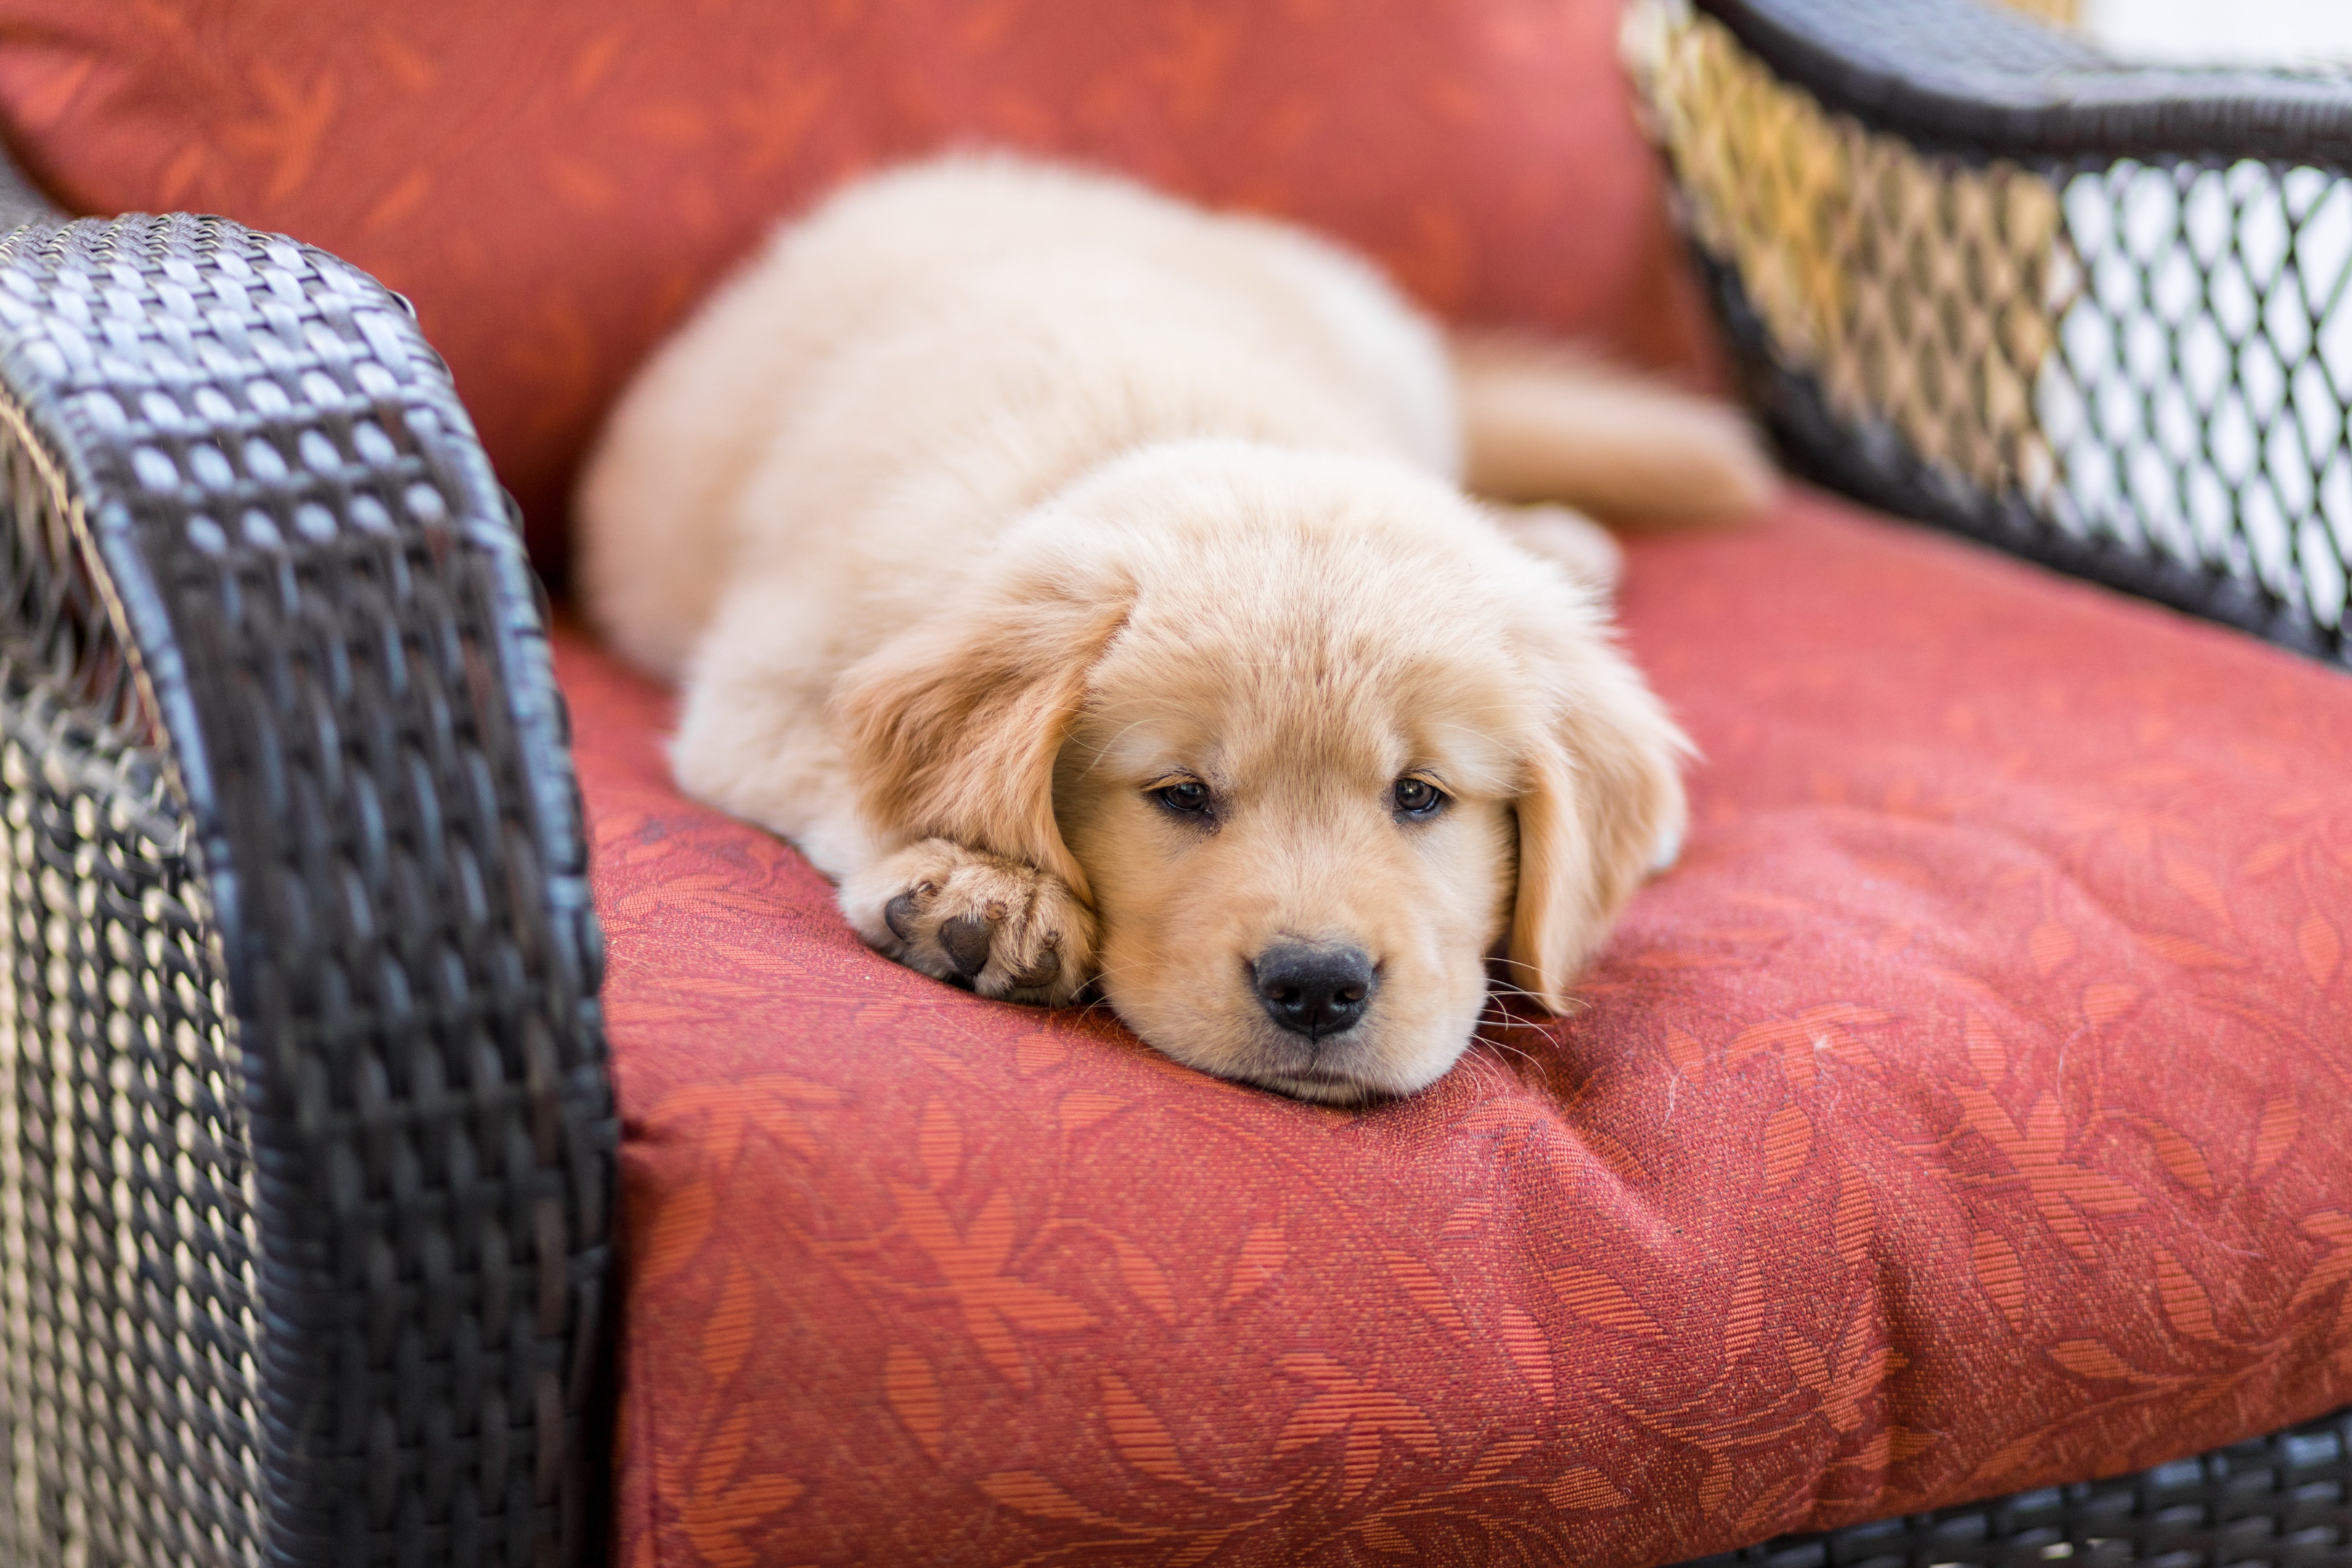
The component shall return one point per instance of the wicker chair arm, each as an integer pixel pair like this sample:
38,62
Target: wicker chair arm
1963,73
301,589
1977,272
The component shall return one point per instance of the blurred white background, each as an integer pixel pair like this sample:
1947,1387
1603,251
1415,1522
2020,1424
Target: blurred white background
2277,31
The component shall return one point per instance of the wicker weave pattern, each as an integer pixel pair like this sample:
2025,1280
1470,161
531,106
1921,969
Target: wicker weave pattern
1849,245
275,502
2137,371
1971,76
128,1377
2281,1502
55,629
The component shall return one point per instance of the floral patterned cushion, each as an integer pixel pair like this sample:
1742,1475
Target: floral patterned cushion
554,182
1967,1111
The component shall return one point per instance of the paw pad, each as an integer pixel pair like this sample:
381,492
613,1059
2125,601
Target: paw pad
966,939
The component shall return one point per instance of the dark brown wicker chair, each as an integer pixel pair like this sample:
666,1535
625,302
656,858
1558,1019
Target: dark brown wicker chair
306,1144
306,1138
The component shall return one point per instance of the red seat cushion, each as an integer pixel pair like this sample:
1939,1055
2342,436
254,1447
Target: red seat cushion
553,182
1966,1112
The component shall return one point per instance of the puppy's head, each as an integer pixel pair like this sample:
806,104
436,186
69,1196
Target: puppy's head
1309,735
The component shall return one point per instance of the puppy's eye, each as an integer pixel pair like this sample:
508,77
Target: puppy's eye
1187,797
1417,797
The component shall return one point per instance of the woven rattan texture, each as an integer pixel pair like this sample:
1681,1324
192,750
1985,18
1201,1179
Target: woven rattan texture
128,1376
275,502
2137,370
2281,1502
1967,76
56,632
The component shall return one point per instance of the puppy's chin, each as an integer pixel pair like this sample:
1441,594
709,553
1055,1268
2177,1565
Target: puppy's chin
1317,1087
1382,1057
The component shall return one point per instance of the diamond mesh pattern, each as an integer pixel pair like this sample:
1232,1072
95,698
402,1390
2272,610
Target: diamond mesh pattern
127,1244
2136,370
2198,404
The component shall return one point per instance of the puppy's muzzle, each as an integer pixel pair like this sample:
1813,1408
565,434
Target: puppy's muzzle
1314,989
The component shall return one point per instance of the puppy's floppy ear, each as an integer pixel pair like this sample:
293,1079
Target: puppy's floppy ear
954,727
1603,805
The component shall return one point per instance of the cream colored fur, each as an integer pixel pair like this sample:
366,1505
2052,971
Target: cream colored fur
994,497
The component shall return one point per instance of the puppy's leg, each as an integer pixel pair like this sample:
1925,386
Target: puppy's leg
1541,421
1006,930
1581,547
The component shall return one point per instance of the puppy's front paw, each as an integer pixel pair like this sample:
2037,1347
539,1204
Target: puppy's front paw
1006,929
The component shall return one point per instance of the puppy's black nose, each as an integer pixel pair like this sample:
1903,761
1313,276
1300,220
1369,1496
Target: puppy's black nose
1314,991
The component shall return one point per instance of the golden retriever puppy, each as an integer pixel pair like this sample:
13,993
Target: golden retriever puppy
1084,582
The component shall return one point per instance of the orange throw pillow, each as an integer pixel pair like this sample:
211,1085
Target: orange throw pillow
552,184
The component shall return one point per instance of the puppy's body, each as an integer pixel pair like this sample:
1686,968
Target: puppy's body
995,498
